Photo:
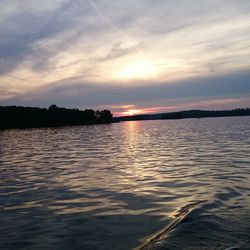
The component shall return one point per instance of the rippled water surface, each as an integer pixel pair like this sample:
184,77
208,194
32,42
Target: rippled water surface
181,184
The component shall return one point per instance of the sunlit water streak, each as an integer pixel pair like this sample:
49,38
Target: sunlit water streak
180,184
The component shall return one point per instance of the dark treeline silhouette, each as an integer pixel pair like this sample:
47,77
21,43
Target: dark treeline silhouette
28,117
186,114
205,113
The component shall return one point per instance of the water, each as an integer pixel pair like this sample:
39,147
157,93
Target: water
181,184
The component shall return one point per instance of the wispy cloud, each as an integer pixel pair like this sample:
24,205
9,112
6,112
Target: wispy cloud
122,51
216,91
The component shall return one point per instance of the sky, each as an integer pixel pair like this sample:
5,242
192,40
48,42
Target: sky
128,56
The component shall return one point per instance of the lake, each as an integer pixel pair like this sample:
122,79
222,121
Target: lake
170,184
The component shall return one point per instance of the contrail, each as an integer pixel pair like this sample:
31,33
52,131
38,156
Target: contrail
120,33
107,21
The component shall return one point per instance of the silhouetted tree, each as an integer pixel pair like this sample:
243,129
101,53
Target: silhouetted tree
105,116
25,117
53,107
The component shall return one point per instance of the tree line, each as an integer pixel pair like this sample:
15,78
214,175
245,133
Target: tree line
206,113
186,114
28,117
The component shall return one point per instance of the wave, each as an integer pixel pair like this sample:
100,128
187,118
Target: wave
179,216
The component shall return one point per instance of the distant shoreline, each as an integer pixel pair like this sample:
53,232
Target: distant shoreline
185,115
18,117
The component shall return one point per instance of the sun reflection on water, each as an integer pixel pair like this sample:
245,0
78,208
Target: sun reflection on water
124,177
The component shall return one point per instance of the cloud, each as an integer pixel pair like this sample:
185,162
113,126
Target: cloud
36,33
76,94
118,50
17,39
73,52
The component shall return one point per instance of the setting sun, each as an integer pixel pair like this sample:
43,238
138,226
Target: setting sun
131,112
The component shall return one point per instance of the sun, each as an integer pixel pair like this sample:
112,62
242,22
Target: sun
136,70
131,112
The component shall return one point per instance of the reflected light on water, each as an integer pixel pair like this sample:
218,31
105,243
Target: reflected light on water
116,184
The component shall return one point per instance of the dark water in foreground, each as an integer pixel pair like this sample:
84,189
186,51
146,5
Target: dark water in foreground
183,184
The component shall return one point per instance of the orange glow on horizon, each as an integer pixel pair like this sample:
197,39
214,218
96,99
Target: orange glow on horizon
131,112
